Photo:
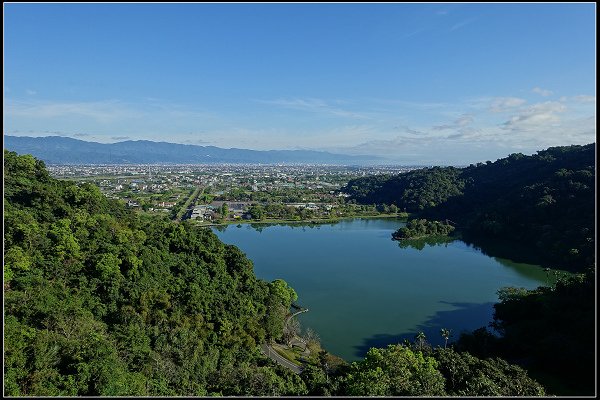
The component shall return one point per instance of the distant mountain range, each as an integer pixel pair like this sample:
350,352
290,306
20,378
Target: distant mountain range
63,150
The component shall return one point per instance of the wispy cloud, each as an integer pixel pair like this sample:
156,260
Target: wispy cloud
101,111
414,33
582,98
536,116
391,127
471,134
314,105
488,128
396,145
406,129
542,92
463,24
459,123
503,104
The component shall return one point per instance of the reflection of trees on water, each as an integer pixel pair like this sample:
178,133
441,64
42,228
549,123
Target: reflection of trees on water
259,227
528,270
419,244
547,276
301,225
220,228
508,250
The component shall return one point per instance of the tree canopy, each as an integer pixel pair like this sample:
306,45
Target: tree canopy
99,301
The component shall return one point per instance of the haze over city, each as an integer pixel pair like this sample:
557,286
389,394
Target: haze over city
414,83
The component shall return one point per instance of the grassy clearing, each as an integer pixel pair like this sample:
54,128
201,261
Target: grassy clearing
288,354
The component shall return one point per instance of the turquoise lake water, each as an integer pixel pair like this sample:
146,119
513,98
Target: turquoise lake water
364,290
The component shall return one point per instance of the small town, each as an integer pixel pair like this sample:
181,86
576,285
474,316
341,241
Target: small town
225,193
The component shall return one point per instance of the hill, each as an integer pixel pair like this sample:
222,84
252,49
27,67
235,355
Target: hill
543,204
99,302
62,150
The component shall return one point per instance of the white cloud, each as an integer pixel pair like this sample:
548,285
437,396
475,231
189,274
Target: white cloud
536,116
386,127
542,92
471,134
503,104
460,122
101,111
106,117
582,98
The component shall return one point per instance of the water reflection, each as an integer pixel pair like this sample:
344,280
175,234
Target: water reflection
419,244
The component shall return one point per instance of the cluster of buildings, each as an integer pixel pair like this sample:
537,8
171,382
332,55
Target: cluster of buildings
163,186
207,212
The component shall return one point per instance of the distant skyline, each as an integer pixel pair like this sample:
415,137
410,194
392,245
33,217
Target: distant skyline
433,83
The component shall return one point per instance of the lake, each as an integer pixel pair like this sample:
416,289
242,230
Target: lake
365,290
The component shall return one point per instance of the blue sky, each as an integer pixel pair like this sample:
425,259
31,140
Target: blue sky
414,83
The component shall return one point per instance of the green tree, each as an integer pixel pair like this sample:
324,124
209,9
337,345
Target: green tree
467,375
394,371
257,212
225,210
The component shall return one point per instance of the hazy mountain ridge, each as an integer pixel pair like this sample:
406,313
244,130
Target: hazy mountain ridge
63,150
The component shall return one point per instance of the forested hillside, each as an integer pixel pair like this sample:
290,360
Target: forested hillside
544,201
100,302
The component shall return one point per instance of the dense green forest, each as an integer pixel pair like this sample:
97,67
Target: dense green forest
544,202
99,300
417,369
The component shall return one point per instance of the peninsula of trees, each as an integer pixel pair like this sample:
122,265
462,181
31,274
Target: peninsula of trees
419,228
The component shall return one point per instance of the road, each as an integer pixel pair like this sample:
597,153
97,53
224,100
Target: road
273,355
197,192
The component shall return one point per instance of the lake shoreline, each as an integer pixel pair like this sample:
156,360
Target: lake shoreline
306,222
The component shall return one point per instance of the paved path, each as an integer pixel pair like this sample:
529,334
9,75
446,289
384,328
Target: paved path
296,313
273,355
